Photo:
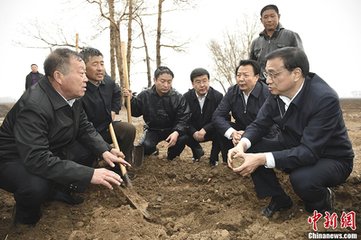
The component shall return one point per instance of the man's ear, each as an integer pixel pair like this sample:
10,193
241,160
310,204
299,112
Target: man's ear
58,77
298,74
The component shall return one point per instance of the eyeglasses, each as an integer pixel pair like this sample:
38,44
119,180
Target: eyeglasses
272,75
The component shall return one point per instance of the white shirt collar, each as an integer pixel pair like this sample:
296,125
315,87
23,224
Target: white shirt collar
69,102
288,101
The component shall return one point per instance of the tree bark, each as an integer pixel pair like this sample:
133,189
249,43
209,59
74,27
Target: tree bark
159,33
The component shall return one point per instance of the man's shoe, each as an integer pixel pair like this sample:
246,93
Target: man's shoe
68,198
155,153
213,163
28,218
197,154
278,203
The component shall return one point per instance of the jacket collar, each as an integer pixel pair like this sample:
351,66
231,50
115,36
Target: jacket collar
55,98
298,100
256,92
278,29
194,94
92,87
154,91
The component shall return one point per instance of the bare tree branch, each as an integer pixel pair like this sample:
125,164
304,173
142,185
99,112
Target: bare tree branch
235,47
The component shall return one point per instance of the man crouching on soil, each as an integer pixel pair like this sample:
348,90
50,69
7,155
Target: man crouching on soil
165,113
312,146
37,160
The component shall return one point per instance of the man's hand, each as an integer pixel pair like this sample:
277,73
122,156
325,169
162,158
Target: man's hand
199,135
114,156
105,177
251,162
127,93
172,139
233,153
236,136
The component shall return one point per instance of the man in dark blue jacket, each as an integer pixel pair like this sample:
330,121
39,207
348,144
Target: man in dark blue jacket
203,101
165,113
312,145
102,101
243,100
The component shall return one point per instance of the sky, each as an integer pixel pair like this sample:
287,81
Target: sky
329,30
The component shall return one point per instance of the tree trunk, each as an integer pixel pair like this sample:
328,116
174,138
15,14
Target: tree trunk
130,31
159,33
119,57
147,58
112,33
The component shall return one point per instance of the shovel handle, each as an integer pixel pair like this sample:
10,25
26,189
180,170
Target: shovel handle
116,146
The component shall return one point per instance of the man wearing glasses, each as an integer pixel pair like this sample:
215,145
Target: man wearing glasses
273,36
203,100
312,145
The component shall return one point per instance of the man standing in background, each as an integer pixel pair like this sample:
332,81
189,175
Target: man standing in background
33,77
273,36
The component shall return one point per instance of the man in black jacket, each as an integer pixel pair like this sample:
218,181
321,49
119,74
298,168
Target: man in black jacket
36,158
165,113
203,101
312,146
102,101
243,100
33,77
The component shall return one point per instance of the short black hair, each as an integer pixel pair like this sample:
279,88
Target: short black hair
293,57
88,52
161,70
270,6
255,65
198,72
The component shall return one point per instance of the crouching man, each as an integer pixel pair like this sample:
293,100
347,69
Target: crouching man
37,160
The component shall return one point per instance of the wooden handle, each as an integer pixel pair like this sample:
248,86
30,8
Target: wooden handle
126,80
116,146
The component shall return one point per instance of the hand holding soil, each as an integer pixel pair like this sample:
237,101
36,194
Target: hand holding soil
237,162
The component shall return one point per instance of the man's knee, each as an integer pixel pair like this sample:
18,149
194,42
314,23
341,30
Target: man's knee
148,146
182,139
125,129
33,193
302,184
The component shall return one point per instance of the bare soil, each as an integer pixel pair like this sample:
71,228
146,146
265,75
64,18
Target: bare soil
187,201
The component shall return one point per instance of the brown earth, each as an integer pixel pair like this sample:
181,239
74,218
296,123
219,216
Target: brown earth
187,201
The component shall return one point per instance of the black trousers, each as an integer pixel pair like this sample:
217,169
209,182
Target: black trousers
217,145
151,138
29,191
309,182
125,133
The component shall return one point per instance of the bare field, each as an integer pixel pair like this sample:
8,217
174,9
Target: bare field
187,201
